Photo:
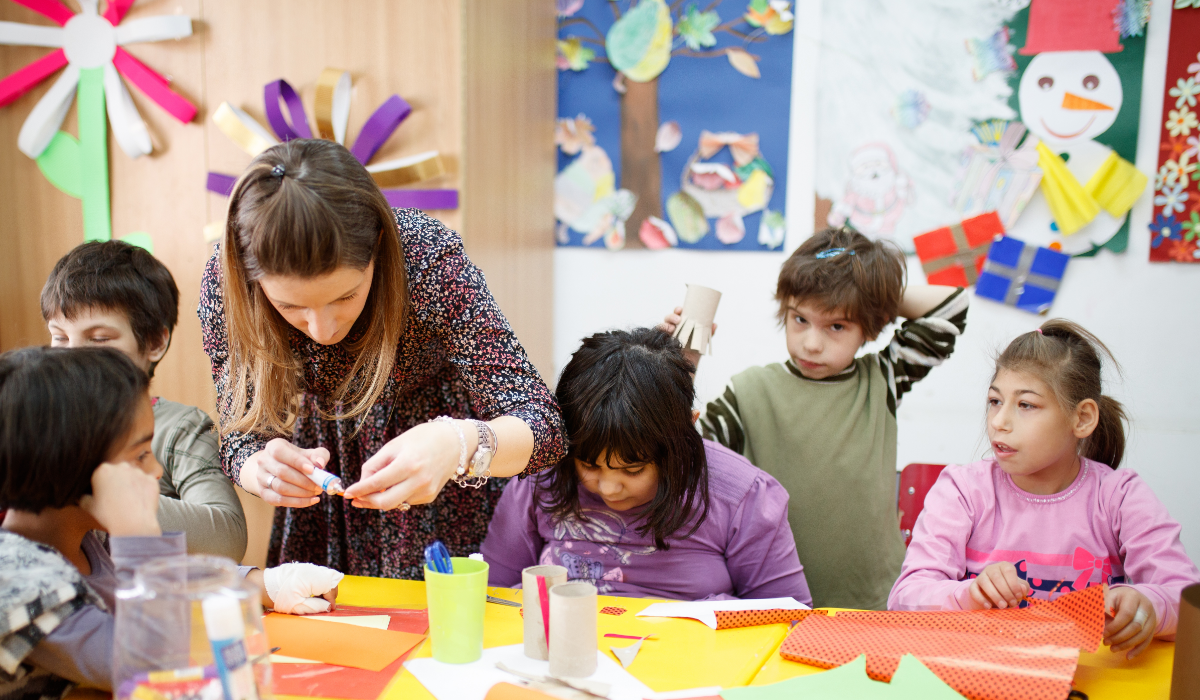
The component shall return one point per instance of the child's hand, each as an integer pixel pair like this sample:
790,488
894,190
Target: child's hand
301,589
1132,622
998,586
672,320
124,501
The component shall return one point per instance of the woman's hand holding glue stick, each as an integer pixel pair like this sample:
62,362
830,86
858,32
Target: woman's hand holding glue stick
329,483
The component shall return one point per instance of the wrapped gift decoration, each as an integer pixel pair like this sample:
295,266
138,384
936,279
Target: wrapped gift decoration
953,255
1001,172
1021,275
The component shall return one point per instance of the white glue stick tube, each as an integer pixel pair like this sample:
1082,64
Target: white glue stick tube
226,630
329,483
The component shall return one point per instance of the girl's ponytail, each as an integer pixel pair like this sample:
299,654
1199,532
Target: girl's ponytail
1067,358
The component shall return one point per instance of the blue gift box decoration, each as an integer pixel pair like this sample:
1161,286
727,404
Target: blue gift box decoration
1021,275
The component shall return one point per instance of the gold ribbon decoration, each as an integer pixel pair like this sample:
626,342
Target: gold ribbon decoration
332,104
242,129
406,171
965,255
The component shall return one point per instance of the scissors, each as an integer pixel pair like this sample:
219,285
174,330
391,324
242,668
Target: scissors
437,558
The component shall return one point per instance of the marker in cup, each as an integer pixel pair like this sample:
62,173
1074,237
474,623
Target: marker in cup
329,483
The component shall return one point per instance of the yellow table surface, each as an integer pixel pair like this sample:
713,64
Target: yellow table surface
686,654
1103,675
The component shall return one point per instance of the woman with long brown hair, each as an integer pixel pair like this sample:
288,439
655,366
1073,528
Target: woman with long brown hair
358,339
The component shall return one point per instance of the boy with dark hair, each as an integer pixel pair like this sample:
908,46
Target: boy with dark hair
824,422
116,295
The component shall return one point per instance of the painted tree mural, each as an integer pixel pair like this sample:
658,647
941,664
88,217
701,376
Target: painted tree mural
638,44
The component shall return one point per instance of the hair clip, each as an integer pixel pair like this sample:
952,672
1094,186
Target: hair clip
833,253
1039,330
277,171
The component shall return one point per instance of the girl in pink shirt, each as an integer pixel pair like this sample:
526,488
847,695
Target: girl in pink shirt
1049,513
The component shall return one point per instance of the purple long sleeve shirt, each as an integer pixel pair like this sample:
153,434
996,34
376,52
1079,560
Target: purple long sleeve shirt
1106,527
743,549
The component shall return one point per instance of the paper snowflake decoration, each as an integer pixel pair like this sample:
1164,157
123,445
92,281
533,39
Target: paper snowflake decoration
90,47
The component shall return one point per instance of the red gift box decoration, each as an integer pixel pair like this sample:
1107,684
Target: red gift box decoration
953,255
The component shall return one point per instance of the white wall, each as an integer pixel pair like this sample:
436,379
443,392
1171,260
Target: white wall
1145,313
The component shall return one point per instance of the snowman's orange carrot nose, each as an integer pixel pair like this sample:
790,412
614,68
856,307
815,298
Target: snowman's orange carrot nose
1073,101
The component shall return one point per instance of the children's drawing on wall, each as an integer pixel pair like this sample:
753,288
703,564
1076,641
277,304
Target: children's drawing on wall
1175,228
673,123
1077,90
1026,109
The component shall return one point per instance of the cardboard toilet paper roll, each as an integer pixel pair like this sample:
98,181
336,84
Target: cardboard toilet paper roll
573,630
1185,677
535,627
695,325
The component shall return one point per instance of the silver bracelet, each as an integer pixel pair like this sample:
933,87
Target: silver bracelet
461,476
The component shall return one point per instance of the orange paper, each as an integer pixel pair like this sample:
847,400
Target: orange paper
508,691
1027,654
340,645
728,619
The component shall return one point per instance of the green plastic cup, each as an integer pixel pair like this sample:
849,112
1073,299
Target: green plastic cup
456,602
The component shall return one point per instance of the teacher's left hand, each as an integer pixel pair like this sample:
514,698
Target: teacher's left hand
412,468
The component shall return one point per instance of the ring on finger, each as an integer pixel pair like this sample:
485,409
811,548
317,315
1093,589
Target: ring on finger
404,507
271,483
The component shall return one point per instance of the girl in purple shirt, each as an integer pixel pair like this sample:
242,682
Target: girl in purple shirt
641,505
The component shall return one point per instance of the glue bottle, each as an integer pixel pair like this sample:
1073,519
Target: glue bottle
226,630
329,483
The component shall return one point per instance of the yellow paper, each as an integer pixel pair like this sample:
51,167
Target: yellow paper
340,645
1072,207
1116,185
753,193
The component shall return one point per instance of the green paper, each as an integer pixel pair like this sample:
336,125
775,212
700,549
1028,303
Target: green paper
629,37
912,681
139,239
60,163
697,27
687,217
93,156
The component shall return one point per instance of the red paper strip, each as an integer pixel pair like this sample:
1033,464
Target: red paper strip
22,81
1028,653
326,681
154,86
115,12
613,610
544,598
728,619
50,9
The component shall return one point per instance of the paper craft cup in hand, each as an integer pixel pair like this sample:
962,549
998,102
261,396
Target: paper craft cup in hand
573,646
695,324
1185,676
535,628
456,602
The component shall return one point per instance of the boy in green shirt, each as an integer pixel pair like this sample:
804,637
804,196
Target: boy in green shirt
824,422
117,295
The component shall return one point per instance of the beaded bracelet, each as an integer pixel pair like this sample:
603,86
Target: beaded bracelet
461,476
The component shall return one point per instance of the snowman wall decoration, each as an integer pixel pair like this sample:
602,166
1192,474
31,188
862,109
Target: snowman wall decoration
1069,94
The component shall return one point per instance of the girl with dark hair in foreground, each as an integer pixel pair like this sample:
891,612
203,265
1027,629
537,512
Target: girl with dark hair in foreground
641,505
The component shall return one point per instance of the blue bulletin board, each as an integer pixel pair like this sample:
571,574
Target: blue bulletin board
719,76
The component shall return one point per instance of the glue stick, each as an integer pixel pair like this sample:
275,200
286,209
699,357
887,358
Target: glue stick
227,634
329,483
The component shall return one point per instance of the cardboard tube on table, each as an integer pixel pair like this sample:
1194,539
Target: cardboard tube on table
695,325
1185,677
573,647
535,629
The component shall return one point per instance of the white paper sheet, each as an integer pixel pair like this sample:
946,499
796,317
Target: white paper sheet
705,611
379,622
472,681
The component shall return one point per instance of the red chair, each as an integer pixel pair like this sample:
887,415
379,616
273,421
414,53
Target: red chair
915,482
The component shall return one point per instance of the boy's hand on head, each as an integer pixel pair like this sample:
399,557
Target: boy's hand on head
1131,620
998,586
124,501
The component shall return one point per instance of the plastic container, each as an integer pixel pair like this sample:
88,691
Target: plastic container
161,643
456,602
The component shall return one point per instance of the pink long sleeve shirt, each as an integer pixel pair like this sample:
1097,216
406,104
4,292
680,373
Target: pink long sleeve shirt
1107,527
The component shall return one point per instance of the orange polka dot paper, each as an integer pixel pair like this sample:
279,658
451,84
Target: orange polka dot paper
728,619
